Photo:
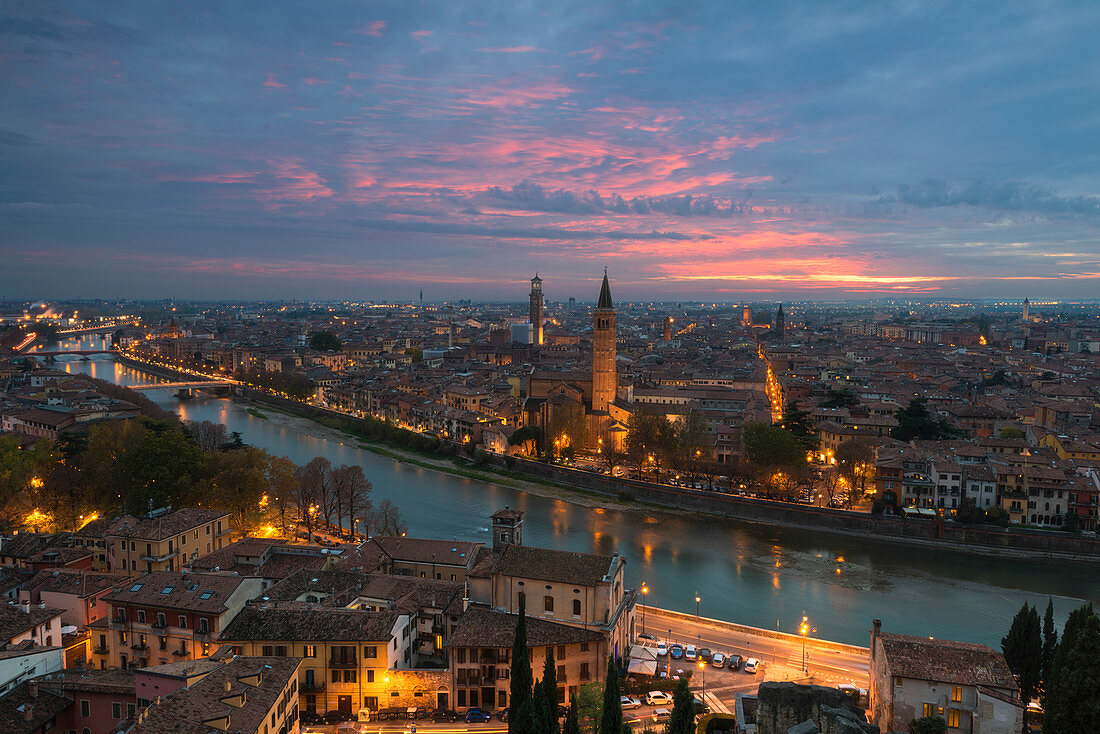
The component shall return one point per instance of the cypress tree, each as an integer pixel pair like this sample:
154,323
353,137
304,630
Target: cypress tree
525,719
612,720
541,709
1073,693
1050,645
683,710
550,687
572,718
519,691
1023,651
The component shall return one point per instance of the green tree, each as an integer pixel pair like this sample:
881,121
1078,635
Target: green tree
611,717
915,422
839,399
856,460
800,424
649,434
683,710
528,438
1023,651
519,691
540,707
572,718
549,685
1050,646
234,481
568,426
776,455
590,705
325,341
928,725
1073,693
691,444
1010,432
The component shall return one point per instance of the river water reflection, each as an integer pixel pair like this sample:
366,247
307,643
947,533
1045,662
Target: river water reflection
745,573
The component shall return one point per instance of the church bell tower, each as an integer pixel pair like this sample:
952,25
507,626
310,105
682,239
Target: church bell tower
605,381
536,309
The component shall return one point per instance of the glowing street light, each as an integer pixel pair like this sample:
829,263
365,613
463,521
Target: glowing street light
645,597
697,600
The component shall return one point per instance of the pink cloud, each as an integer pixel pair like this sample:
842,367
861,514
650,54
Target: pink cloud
517,95
313,81
421,35
375,28
508,49
274,83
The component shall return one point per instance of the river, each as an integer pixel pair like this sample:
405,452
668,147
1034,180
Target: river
756,575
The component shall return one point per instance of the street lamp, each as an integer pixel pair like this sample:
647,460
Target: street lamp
805,630
697,600
703,691
645,595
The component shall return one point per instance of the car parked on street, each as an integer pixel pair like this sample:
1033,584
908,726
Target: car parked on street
658,698
689,652
751,665
660,715
445,716
477,716
705,654
733,662
629,702
718,660
676,651
662,649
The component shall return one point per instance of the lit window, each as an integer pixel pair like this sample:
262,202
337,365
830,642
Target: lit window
956,693
953,718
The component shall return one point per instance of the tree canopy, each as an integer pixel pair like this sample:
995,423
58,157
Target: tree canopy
915,422
325,341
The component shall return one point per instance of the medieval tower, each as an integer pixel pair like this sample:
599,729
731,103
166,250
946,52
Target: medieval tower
536,309
604,378
780,322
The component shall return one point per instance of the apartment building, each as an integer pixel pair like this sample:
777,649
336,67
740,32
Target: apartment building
245,695
966,684
481,648
350,658
165,541
164,617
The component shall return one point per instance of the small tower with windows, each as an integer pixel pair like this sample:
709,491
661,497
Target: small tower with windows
507,527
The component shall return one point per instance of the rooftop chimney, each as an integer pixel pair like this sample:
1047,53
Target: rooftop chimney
25,606
32,689
876,631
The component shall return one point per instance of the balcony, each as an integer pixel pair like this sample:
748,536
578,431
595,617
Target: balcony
315,687
159,559
203,635
100,650
117,624
138,646
181,652
343,663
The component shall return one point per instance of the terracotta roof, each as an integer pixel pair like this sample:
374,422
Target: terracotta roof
308,624
72,581
43,707
113,680
482,627
14,621
193,709
196,592
545,564
946,661
427,550
165,526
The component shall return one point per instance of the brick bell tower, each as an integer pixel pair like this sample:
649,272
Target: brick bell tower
604,377
536,309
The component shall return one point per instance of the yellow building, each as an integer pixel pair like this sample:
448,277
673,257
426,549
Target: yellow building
165,542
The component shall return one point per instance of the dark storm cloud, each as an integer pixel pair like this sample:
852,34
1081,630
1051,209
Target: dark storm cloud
1011,196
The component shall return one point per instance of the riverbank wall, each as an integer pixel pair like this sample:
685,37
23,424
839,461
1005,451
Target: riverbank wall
935,534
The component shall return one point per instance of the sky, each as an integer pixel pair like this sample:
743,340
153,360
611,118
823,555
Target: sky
698,150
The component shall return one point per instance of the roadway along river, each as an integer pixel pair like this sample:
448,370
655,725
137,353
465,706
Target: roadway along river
744,573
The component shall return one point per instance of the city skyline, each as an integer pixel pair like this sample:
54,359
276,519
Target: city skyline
701,152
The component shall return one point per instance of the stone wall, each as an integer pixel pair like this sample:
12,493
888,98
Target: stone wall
787,707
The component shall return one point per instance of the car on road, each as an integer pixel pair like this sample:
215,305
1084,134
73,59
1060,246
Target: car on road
705,654
689,652
701,706
751,665
662,649
658,698
676,651
718,660
445,716
629,702
478,716
660,715
733,662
